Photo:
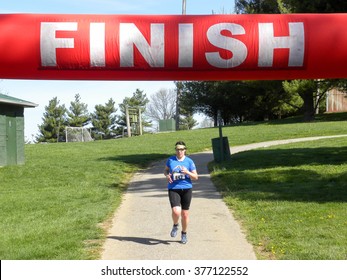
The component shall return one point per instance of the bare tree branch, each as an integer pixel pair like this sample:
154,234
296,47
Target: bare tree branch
162,105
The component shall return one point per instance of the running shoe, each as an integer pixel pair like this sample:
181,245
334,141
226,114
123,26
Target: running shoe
174,231
184,238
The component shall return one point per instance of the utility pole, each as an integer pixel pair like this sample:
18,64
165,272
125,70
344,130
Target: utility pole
179,84
183,7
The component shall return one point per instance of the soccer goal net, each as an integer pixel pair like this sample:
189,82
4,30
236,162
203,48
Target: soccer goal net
77,134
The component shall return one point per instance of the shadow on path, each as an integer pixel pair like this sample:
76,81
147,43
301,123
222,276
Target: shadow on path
143,240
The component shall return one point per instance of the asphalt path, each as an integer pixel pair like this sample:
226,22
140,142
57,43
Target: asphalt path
141,225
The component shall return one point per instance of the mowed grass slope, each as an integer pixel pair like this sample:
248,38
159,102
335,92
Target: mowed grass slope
56,206
291,199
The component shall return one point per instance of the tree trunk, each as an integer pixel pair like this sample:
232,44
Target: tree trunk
309,110
215,120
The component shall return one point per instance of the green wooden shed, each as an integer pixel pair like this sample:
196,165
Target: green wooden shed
167,125
12,129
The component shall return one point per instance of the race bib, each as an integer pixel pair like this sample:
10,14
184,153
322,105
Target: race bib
178,176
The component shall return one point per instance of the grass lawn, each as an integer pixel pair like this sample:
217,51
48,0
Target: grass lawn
291,199
57,205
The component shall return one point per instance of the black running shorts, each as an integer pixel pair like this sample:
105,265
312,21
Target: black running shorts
181,198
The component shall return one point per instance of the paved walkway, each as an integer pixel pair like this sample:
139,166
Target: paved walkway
142,224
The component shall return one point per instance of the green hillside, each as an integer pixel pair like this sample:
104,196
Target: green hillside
57,205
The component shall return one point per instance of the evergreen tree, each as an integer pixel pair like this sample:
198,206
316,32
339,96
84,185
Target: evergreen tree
104,120
238,100
54,120
270,101
78,115
187,121
316,6
257,6
210,97
311,91
186,118
139,100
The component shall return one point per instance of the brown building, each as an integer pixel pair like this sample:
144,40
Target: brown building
336,101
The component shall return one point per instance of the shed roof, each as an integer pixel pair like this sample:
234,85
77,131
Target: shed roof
16,101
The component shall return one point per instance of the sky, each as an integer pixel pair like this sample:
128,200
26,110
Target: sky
93,92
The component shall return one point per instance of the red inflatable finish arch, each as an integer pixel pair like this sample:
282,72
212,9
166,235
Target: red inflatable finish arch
211,47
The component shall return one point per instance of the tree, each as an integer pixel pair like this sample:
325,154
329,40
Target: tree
179,89
54,120
316,6
186,118
311,91
269,100
104,120
187,122
239,100
289,6
257,6
139,100
231,98
78,115
162,105
195,95
305,89
185,112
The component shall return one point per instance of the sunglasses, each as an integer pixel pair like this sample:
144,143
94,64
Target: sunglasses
180,149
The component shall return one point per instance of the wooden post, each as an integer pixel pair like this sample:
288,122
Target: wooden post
128,120
220,135
140,121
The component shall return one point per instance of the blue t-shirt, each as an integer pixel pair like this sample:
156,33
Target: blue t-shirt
180,180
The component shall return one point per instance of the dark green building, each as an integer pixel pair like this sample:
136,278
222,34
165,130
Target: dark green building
12,129
167,125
